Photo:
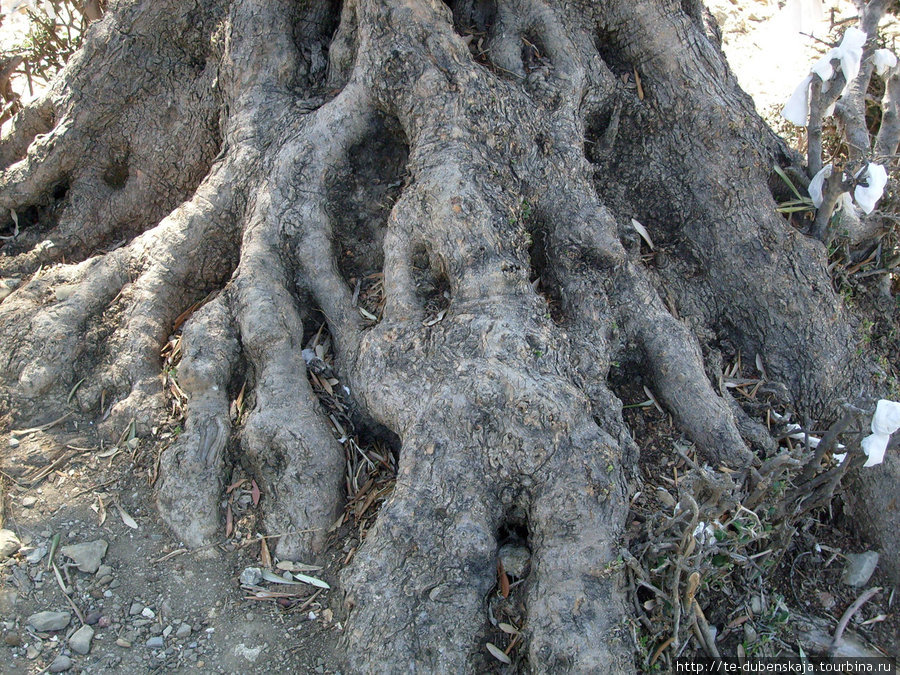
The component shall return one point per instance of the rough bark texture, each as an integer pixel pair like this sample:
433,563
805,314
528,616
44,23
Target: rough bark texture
239,151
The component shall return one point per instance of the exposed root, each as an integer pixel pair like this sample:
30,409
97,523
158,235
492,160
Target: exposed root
672,355
287,443
192,470
33,120
425,567
576,596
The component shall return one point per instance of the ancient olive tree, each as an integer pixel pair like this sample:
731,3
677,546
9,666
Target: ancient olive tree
486,156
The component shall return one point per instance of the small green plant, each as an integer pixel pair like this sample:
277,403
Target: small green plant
797,205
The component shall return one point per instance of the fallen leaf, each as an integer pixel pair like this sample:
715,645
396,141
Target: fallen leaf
265,558
437,319
255,493
641,230
312,581
127,519
502,579
508,628
236,484
497,653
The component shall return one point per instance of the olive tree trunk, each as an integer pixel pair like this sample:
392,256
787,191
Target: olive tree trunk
488,158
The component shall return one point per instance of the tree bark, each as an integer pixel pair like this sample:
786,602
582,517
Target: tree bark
237,152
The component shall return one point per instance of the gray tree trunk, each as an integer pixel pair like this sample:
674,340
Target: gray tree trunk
488,158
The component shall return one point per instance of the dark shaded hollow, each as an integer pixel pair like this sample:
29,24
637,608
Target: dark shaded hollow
361,194
433,289
473,17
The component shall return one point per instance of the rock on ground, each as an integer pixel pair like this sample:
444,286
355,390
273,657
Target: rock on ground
80,642
9,544
859,568
44,622
87,556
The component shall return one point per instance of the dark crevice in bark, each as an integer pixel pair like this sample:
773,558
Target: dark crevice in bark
473,17
543,270
116,172
313,31
432,283
361,194
606,45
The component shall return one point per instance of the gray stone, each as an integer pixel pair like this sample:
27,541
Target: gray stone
251,576
29,501
136,608
80,642
93,617
9,544
183,630
44,622
515,559
858,568
60,664
156,642
104,570
87,556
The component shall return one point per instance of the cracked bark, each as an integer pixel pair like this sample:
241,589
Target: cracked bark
202,161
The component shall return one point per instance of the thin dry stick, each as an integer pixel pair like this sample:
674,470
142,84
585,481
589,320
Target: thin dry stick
851,610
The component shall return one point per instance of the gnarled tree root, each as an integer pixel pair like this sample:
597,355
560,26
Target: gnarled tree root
511,282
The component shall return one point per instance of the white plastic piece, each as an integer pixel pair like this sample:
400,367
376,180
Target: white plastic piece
816,184
866,196
884,60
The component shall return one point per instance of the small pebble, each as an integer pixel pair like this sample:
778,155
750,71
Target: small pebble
13,442
183,630
80,642
29,501
60,664
135,608
107,594
104,622
92,618
122,642
156,642
12,640
148,613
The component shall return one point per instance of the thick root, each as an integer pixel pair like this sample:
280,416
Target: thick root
286,441
192,470
576,605
426,568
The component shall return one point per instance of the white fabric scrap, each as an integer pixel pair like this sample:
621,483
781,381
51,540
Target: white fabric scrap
866,196
796,110
816,184
884,60
824,69
850,52
885,421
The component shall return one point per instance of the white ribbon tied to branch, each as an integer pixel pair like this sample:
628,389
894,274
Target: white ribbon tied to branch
849,53
873,178
885,421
